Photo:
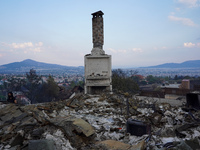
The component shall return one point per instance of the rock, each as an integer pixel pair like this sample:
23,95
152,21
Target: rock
193,143
60,122
78,131
164,106
182,146
69,124
187,126
7,147
168,131
37,132
6,137
84,127
113,145
17,140
16,119
139,146
156,118
61,143
41,145
9,114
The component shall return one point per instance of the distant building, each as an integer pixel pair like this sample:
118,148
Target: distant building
97,64
193,85
185,84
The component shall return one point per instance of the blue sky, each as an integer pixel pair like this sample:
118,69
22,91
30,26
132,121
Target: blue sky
136,32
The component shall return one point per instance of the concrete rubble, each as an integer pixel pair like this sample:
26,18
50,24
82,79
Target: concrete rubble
98,122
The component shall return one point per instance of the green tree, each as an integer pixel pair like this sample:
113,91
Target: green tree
2,95
52,89
14,84
143,82
33,85
136,79
176,77
187,77
74,83
151,79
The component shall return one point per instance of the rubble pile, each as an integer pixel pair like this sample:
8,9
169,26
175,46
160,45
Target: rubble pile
98,122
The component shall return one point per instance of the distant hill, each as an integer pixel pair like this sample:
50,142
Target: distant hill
45,68
186,64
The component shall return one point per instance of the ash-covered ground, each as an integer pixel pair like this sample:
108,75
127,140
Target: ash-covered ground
99,122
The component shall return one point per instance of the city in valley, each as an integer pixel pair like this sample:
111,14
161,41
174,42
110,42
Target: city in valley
68,79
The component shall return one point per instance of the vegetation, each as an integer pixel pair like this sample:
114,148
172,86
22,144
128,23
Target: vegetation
33,87
122,82
51,89
159,80
75,83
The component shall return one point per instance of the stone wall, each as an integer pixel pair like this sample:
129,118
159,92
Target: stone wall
97,30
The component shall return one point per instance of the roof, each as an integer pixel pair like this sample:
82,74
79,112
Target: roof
171,86
186,80
98,13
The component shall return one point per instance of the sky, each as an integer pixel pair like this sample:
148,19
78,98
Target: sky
136,32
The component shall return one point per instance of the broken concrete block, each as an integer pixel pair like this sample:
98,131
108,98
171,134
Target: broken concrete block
114,145
84,127
139,146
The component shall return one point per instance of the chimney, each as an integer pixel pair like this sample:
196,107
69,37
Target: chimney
97,29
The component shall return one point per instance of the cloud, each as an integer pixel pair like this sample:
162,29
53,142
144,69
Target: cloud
164,47
178,9
189,3
39,44
21,45
112,50
122,51
1,55
189,45
37,49
137,50
185,21
26,47
172,13
117,51
198,44
160,48
4,44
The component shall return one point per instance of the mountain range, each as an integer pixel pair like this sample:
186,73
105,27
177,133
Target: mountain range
46,68
186,64
26,65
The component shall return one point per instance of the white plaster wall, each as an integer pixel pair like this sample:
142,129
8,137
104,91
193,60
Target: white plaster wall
98,66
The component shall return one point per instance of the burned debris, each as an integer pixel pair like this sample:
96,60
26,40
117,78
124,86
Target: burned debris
100,122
